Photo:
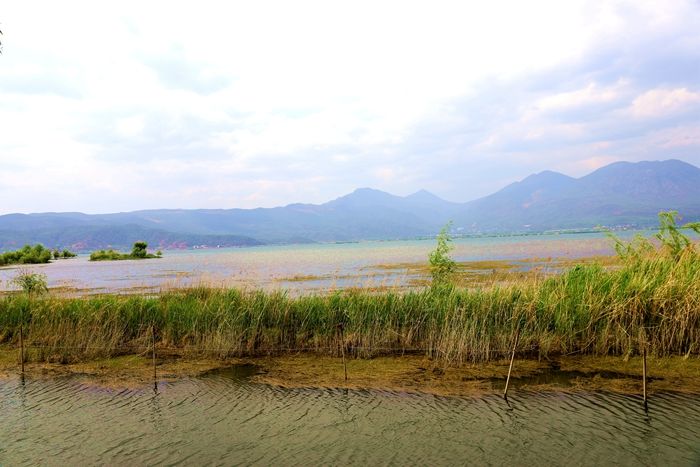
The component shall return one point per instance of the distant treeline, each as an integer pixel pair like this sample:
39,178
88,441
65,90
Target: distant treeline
36,254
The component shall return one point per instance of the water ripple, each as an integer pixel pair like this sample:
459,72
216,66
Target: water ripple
224,419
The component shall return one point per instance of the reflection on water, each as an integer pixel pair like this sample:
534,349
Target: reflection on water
330,265
222,419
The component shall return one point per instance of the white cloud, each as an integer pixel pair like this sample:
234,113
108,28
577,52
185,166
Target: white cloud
592,94
130,127
658,103
192,100
684,136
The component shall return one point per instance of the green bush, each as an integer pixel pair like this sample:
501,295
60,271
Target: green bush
442,266
139,251
28,254
68,254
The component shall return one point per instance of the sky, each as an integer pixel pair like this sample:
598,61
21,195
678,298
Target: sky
119,106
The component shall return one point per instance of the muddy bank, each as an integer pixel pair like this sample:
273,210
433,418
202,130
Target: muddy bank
400,373
415,373
128,371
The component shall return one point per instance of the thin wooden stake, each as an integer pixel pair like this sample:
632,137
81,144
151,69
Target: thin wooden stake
21,346
342,351
153,336
512,358
644,374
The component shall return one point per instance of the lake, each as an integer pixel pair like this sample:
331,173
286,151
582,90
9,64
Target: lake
300,267
223,418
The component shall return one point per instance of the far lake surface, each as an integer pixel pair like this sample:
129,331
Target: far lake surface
301,267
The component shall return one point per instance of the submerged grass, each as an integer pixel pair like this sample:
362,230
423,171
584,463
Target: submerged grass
653,300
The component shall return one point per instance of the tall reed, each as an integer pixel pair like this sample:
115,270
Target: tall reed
652,298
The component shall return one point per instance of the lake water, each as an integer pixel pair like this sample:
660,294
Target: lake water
225,419
320,266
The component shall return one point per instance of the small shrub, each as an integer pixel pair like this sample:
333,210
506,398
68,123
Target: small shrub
442,267
673,241
68,254
31,283
138,252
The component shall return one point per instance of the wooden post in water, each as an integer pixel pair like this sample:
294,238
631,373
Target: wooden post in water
21,346
342,351
644,373
153,338
512,358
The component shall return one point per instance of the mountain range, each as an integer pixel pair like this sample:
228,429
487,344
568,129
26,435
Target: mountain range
621,194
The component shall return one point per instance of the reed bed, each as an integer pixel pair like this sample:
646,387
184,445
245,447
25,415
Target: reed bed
651,301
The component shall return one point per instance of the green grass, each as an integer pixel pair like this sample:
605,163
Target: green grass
588,309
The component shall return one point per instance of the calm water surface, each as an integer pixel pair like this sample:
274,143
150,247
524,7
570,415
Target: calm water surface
275,267
225,419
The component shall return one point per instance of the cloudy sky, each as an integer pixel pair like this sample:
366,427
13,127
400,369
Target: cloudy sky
124,106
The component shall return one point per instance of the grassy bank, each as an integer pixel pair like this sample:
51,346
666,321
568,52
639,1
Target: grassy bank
652,298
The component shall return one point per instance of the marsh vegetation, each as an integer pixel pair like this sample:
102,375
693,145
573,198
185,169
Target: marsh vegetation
139,251
36,254
649,299
65,254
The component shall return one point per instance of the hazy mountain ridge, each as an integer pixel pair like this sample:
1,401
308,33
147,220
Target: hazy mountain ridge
93,237
619,194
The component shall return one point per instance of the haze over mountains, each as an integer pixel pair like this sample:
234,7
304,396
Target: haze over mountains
620,194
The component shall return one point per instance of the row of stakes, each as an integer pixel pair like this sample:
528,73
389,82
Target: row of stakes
644,370
345,366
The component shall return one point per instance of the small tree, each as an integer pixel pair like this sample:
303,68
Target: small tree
139,250
442,266
31,283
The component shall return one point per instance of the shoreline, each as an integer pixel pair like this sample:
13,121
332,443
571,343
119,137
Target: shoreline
408,373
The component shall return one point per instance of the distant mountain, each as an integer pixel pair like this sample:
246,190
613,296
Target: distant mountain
620,194
512,207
